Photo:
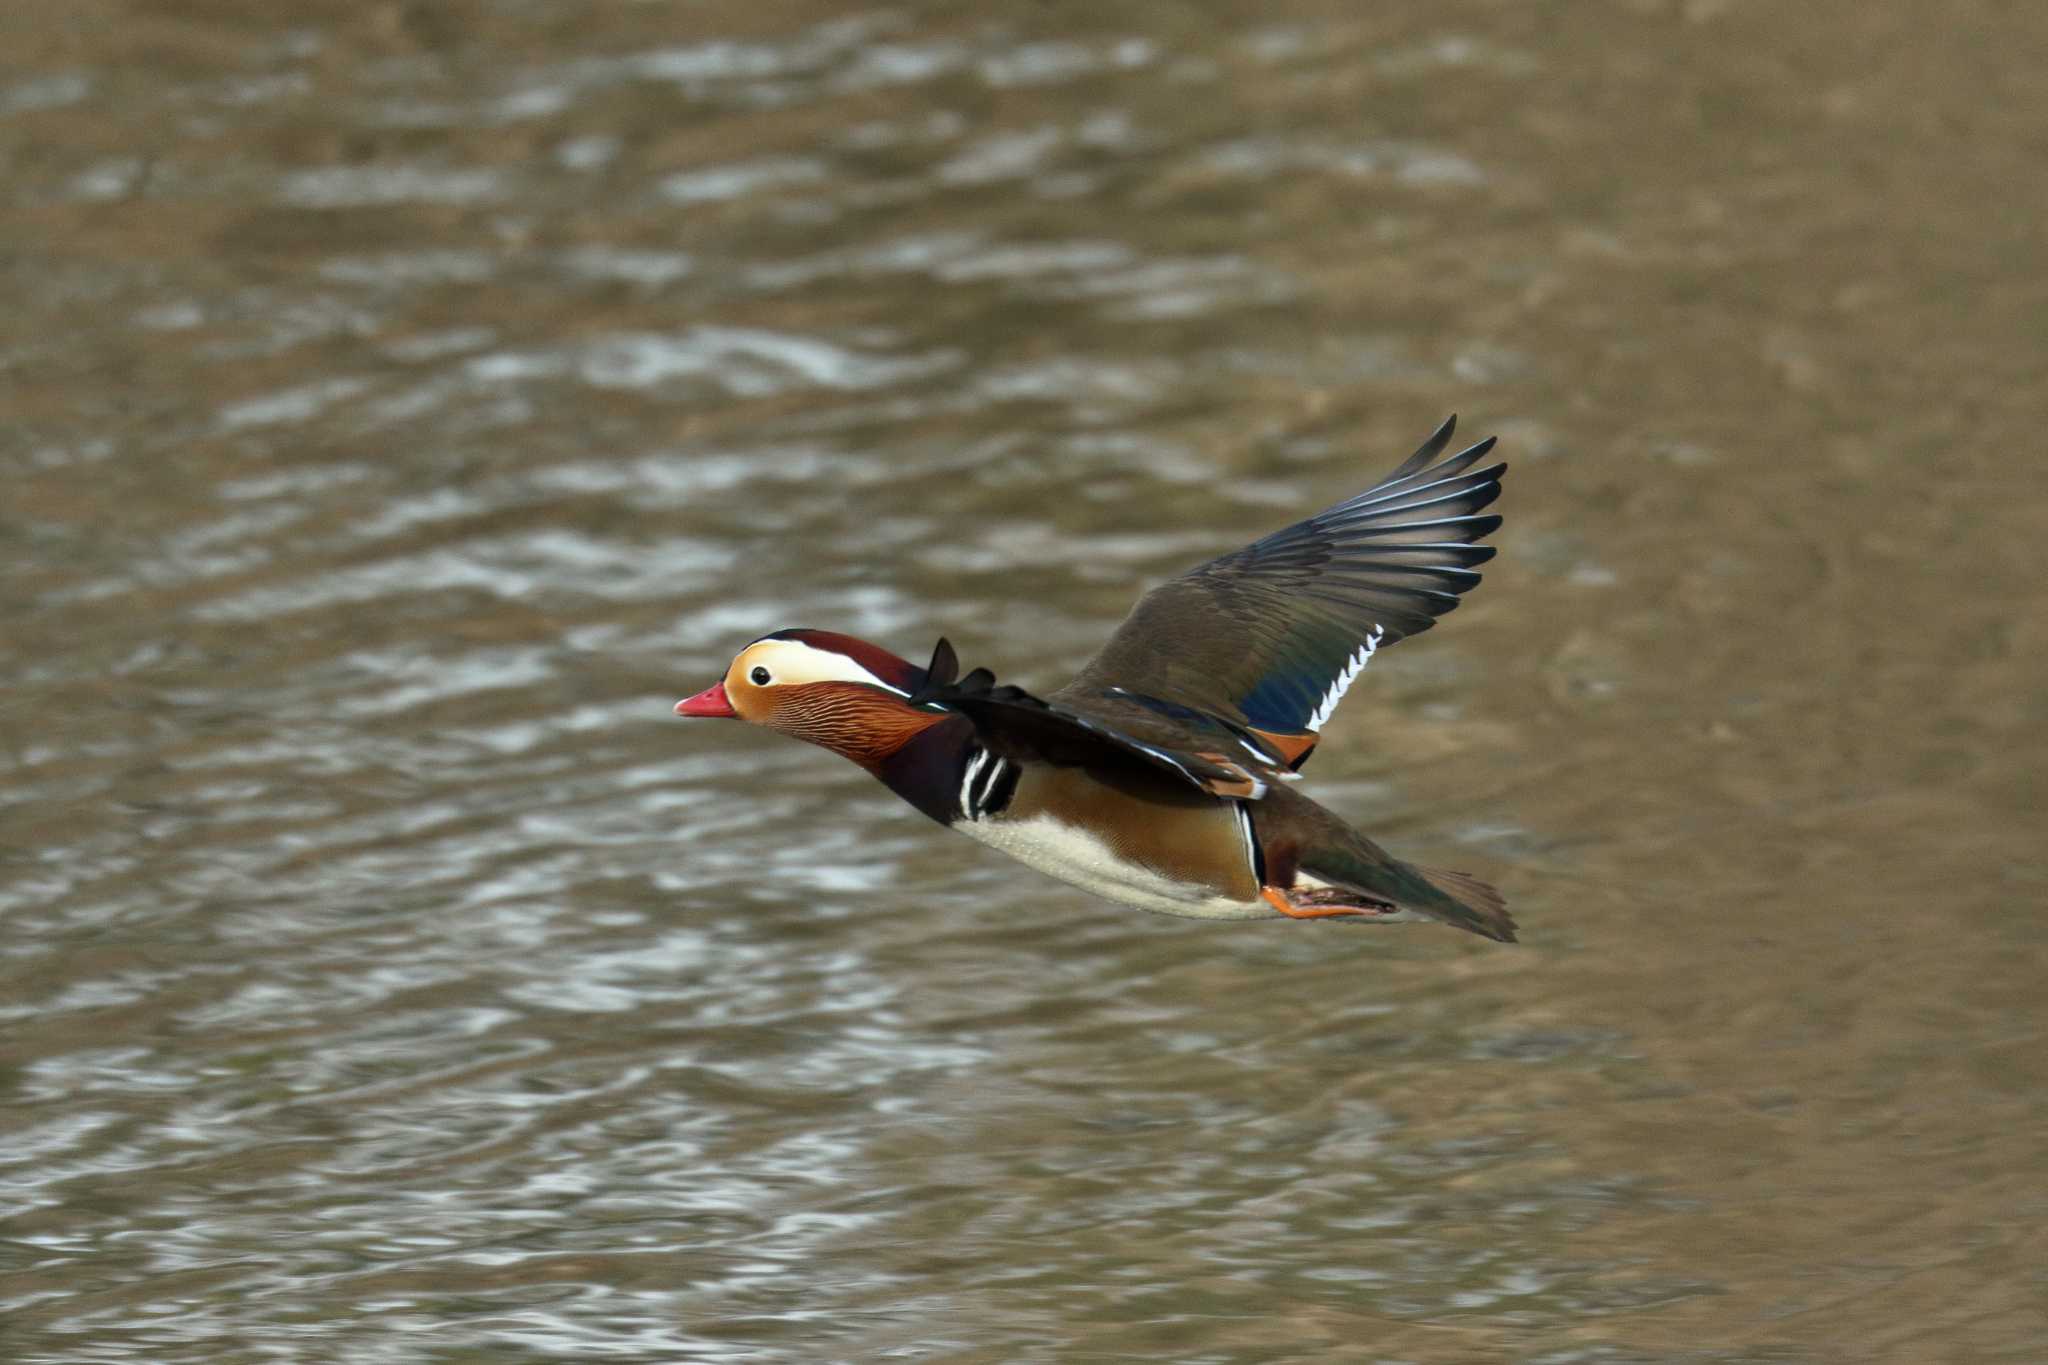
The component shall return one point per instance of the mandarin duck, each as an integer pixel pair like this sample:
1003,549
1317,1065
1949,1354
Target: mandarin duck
1163,776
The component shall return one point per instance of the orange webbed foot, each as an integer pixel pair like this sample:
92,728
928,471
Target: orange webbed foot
1280,901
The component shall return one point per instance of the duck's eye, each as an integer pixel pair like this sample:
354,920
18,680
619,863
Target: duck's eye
759,677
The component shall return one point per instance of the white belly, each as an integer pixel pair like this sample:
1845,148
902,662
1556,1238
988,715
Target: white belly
1080,859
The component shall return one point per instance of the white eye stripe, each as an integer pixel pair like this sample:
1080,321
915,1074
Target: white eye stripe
793,662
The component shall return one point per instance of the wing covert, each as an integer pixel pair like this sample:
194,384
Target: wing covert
1108,732
1267,639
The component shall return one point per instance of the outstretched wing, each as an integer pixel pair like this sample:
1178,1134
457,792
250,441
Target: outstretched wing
1268,638
1201,750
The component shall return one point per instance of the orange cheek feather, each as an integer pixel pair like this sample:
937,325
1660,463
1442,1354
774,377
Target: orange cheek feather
848,718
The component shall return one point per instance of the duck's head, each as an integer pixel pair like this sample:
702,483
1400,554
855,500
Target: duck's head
831,689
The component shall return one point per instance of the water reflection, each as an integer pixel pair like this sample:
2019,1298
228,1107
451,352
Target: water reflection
412,403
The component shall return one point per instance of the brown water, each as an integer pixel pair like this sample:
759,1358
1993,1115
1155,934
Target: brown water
404,404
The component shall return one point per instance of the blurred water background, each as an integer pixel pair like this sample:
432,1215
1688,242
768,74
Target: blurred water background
401,404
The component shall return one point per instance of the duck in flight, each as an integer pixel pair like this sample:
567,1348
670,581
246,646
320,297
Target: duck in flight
1164,776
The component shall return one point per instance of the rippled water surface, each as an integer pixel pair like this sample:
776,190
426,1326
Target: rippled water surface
404,404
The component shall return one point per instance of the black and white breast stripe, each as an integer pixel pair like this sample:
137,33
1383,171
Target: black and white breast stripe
986,784
1254,856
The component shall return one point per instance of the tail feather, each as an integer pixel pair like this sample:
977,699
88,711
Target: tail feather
1298,836
1486,912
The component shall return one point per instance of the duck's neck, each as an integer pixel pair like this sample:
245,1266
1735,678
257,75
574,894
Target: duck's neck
925,769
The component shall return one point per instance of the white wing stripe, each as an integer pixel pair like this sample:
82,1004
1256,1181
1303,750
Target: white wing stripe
1342,682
